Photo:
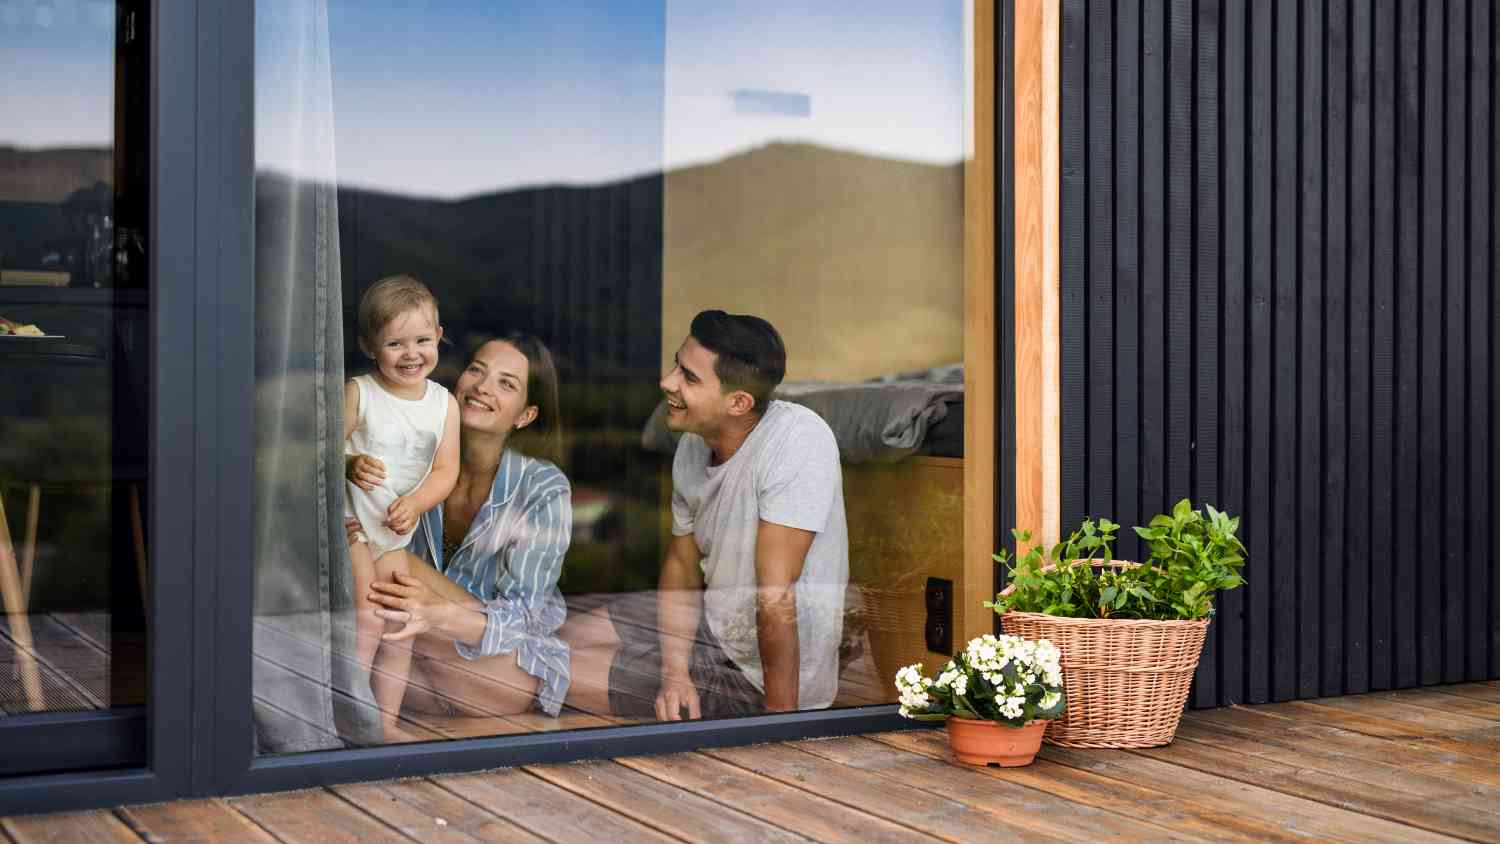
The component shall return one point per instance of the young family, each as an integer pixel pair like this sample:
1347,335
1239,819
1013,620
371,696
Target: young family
459,521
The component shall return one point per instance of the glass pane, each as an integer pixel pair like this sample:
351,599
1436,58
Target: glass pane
581,181
73,355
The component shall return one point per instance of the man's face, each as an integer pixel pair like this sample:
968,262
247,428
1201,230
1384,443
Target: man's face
696,402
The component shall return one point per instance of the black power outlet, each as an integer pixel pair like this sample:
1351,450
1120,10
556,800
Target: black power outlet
939,628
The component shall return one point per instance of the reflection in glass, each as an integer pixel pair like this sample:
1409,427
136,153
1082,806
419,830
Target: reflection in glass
73,355
594,178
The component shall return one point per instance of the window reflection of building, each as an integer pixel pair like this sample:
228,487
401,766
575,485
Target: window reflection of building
73,417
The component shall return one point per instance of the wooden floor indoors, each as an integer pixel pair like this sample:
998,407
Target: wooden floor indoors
1409,766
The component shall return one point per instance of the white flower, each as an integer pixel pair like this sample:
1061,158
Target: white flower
1011,707
1050,700
961,684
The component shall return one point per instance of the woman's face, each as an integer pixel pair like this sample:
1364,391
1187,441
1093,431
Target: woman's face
491,391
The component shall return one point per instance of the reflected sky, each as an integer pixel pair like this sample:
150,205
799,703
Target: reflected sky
461,97
473,96
57,70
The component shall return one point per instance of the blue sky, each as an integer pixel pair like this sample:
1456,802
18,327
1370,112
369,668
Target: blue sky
57,66
450,98
463,97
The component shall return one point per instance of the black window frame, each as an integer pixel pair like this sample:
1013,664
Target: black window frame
198,720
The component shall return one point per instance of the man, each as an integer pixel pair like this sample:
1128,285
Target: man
750,609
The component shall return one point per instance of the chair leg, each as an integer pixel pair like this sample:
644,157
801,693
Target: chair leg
20,622
138,533
28,550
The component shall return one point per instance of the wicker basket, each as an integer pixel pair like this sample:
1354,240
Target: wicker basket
893,620
1127,680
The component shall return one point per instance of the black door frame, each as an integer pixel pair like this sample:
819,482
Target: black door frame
181,445
198,719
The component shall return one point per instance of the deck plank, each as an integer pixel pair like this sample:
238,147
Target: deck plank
1409,766
1478,691
1443,701
1393,708
187,820
544,809
1039,813
1322,739
899,802
1479,742
314,816
665,807
422,810
777,803
69,828
1295,813
1444,812
1137,800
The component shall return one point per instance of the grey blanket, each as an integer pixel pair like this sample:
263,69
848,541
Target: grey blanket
878,421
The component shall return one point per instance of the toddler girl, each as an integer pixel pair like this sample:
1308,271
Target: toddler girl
404,427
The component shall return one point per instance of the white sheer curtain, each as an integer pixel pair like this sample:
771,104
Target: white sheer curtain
306,696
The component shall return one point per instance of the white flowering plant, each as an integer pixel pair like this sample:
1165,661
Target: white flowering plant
1006,679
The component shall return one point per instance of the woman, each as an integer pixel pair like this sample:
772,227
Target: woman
481,605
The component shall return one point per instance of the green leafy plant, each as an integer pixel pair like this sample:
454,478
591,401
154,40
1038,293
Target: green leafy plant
1192,556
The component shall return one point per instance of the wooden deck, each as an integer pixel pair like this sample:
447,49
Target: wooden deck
1409,766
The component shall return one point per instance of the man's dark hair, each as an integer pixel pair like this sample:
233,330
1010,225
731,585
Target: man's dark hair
751,356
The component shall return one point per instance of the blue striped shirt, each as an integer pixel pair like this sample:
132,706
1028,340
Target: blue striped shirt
510,560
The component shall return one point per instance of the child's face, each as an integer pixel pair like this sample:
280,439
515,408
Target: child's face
405,350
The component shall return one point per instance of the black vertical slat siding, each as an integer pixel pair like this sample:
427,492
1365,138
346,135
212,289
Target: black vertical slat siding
1286,229
1430,348
1259,571
1382,348
1330,539
1152,395
1481,151
1454,401
1311,470
1229,320
1127,281
1202,320
1100,477
1350,216
1282,302
1074,252
1406,310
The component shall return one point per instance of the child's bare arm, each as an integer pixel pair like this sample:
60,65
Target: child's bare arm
403,513
351,407
362,469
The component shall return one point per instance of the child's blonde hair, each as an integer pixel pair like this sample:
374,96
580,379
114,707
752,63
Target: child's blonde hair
391,297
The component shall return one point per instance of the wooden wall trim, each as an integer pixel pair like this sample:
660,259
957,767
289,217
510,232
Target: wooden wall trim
1037,242
972,619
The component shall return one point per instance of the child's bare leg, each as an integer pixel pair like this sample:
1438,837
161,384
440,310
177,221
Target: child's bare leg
392,663
367,625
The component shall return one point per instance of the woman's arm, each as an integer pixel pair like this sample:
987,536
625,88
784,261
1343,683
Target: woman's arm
403,513
534,561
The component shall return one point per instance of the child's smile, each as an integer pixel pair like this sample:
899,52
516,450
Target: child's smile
405,351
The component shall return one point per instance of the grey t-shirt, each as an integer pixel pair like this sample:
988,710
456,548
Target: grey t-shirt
787,473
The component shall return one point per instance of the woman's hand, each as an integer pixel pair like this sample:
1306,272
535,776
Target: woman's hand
401,516
411,602
364,471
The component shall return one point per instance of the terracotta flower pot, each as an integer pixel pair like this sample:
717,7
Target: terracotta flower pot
988,743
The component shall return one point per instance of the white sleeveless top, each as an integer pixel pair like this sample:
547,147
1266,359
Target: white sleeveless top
404,435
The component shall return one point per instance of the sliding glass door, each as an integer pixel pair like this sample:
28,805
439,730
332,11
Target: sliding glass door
74,344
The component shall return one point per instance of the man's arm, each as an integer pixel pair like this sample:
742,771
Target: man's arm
678,609
780,552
